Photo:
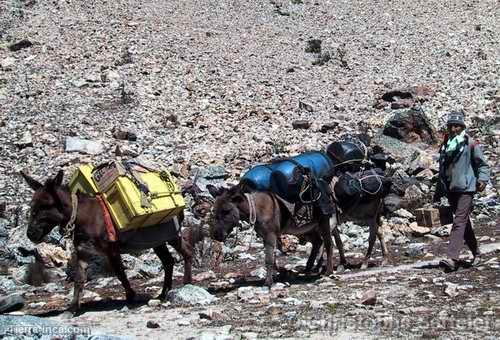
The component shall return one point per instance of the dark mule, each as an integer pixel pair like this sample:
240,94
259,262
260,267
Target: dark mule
270,219
52,206
365,207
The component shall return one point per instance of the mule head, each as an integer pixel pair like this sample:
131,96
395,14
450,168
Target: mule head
225,211
46,208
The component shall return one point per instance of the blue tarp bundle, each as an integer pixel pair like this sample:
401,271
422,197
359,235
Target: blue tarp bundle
285,177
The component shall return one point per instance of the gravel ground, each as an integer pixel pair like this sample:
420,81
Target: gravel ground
222,82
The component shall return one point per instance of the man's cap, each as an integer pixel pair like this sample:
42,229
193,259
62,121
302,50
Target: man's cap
456,118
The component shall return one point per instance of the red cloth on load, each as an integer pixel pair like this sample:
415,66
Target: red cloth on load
108,222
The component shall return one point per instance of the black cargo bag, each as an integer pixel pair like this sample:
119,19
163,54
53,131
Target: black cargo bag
362,186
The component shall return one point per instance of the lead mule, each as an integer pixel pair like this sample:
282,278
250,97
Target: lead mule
52,205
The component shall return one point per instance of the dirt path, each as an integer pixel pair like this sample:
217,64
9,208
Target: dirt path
412,300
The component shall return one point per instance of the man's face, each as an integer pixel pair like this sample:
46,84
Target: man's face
455,129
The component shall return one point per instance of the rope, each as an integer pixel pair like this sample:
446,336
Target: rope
69,228
306,185
252,211
370,176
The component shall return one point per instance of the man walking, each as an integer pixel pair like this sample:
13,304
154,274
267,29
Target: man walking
462,172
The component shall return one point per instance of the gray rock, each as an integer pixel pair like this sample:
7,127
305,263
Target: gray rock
451,289
369,297
400,151
211,172
351,229
152,324
442,231
75,144
259,273
410,126
404,214
415,249
8,63
190,295
392,202
249,293
313,46
7,284
423,160
25,141
301,124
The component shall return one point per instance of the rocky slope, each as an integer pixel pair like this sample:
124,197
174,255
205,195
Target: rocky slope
197,84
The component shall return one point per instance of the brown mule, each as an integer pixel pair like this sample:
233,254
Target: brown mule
51,206
270,220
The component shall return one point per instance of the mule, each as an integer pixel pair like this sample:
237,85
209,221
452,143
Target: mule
271,219
365,208
51,206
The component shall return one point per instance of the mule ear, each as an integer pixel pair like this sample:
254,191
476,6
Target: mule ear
57,181
33,183
214,191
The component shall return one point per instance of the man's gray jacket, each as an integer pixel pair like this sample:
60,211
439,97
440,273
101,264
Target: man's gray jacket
460,171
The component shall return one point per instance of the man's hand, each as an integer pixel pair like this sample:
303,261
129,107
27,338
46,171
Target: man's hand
481,186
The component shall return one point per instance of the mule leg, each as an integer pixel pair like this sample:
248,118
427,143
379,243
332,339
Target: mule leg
324,229
187,254
270,247
80,278
319,264
371,242
115,260
340,247
315,239
385,251
167,262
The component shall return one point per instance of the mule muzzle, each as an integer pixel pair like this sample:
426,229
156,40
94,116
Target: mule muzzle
36,233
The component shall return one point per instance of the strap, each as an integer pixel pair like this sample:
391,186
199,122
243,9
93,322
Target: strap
141,185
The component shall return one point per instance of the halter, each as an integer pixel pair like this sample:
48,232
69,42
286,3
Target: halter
69,228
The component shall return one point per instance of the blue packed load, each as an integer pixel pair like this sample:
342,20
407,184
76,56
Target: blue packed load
285,177
258,178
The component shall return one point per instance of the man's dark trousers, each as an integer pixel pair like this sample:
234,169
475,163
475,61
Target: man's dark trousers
461,204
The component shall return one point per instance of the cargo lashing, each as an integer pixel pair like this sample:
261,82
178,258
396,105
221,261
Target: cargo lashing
141,185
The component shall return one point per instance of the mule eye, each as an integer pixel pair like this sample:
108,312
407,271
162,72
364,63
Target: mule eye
225,212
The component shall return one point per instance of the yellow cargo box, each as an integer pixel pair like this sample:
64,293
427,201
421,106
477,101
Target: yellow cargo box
82,181
126,202
128,206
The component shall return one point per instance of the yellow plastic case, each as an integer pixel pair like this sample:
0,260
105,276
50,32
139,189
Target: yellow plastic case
82,181
123,198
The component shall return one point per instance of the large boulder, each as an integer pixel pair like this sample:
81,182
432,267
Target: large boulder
410,126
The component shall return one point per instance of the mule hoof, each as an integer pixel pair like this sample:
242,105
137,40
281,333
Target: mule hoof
71,311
